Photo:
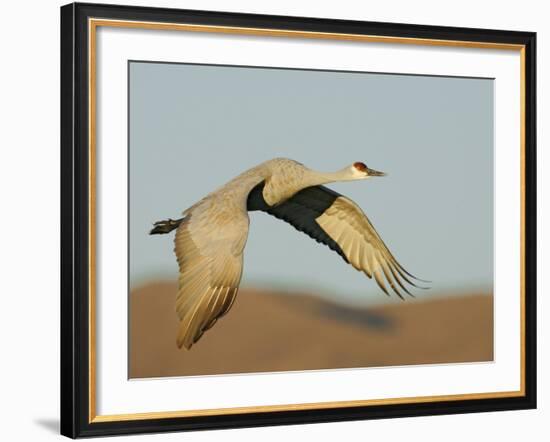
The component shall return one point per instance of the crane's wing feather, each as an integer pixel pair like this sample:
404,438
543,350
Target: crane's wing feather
345,222
208,246
301,211
339,223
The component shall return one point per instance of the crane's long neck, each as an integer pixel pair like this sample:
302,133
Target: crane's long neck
315,178
285,178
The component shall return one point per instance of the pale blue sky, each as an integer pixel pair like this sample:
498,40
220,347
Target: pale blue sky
193,128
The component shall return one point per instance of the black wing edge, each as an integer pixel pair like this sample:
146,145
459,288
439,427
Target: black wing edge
300,211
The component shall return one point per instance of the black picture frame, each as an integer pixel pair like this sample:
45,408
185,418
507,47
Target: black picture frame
75,194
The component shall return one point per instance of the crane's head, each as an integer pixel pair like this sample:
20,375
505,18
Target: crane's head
361,171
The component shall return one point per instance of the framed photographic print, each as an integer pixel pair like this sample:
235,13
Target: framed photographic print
275,220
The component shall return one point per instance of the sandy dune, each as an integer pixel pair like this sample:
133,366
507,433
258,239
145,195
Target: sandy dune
270,331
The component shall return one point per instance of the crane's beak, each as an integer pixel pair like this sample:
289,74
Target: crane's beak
372,172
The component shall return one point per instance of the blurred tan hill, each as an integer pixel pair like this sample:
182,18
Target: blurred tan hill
277,331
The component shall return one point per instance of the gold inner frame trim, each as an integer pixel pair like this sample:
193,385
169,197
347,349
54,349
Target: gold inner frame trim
93,24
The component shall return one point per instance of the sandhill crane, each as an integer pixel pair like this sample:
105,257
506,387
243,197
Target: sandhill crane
212,234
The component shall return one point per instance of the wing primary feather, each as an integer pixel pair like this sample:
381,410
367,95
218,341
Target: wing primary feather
370,260
355,260
396,277
380,282
211,310
365,262
404,276
228,303
223,299
196,325
389,278
186,334
409,274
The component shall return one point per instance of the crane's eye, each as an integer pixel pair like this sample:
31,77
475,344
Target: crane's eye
360,166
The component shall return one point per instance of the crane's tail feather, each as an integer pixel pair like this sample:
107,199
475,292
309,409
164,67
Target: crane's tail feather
165,226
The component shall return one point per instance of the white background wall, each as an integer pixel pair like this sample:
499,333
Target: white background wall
29,224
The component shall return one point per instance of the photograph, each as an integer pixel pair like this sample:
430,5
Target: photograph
295,219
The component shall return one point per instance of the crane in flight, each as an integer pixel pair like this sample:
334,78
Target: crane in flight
211,236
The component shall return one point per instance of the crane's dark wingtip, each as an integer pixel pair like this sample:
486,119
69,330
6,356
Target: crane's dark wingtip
417,278
419,286
410,274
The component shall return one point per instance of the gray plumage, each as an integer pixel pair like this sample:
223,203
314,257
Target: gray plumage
211,236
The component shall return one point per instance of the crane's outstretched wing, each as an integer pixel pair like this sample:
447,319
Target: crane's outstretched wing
208,246
339,223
